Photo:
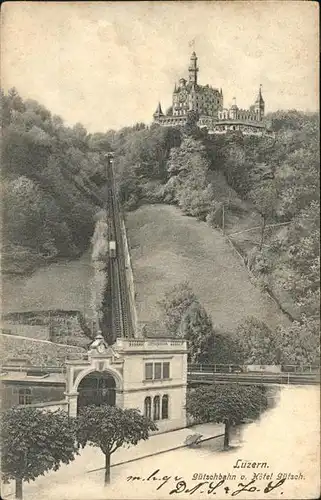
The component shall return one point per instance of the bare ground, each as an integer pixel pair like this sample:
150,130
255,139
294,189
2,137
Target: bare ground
168,247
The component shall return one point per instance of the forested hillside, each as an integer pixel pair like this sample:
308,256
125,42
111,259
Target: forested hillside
264,191
49,177
270,181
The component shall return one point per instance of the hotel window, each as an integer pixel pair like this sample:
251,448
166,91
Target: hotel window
148,371
165,406
148,407
24,396
156,413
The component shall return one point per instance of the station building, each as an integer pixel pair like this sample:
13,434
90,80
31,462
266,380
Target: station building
149,374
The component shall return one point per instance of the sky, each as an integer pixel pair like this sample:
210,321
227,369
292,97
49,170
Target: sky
107,64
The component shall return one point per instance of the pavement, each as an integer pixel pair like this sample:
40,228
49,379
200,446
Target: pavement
161,443
91,459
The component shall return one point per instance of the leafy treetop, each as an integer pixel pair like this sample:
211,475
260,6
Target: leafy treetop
110,427
34,442
227,403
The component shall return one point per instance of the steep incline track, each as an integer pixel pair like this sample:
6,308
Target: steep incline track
121,314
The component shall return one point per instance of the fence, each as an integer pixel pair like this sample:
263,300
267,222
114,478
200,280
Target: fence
231,368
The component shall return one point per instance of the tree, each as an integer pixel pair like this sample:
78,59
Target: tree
257,342
109,428
34,442
231,159
227,404
303,260
99,142
299,343
264,197
185,317
191,127
175,304
188,185
196,327
227,350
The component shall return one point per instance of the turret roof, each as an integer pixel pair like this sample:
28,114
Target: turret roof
159,110
259,98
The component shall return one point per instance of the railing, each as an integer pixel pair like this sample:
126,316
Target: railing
149,343
232,368
39,369
306,375
77,356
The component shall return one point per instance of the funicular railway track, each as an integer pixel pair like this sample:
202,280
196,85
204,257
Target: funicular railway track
121,319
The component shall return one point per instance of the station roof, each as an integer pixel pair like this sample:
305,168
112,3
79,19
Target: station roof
34,352
15,376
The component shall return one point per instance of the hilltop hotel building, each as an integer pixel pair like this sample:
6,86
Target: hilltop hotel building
207,102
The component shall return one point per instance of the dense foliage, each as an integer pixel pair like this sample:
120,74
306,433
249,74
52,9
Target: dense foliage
253,343
185,317
110,427
34,442
49,185
227,404
297,344
188,185
175,304
141,155
257,343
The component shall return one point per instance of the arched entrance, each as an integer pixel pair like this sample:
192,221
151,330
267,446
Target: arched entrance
95,389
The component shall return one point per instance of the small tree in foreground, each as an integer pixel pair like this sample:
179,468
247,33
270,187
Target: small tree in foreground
34,442
228,404
110,427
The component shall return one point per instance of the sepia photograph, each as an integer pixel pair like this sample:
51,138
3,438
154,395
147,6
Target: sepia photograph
160,250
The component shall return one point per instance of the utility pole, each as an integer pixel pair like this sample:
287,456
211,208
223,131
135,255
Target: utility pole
223,218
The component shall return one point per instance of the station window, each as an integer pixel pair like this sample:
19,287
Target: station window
24,396
166,370
157,371
156,413
148,371
165,406
148,407
157,407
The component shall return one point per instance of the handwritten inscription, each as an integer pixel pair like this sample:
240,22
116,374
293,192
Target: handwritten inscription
225,483
211,487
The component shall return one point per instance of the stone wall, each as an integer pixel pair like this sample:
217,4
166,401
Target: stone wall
66,327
